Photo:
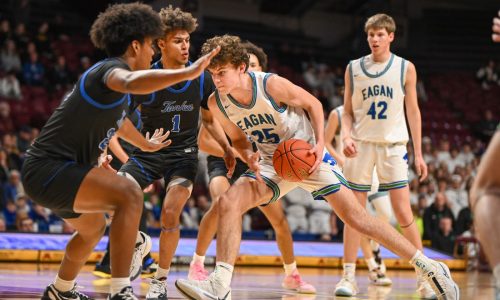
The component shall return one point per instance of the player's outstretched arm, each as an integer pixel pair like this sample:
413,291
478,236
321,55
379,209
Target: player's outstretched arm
157,141
286,92
148,81
414,119
116,148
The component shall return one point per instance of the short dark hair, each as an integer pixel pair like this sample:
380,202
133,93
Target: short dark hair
232,51
258,52
120,24
176,19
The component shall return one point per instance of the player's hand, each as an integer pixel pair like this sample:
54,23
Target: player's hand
105,163
496,29
199,65
421,168
230,161
350,149
317,150
253,164
157,141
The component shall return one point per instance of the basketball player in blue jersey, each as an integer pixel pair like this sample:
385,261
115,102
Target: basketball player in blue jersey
271,109
485,196
176,108
374,133
379,201
61,170
120,150
220,183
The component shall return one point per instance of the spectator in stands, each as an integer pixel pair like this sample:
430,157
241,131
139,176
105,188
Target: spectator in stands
4,168
10,59
23,204
466,155
444,151
24,223
13,187
10,87
421,92
458,198
33,71
455,160
60,75
427,150
5,32
9,141
296,203
30,48
487,126
9,214
487,75
42,39
319,220
434,213
24,139
41,216
20,36
21,11
190,216
464,220
444,238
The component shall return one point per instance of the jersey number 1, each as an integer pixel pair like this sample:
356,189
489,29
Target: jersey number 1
177,122
373,111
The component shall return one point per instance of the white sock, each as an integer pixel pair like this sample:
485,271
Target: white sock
290,268
63,285
224,272
349,270
420,262
161,273
372,264
496,274
117,284
198,259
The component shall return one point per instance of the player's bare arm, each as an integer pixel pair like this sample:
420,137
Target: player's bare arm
148,81
414,119
114,146
215,130
348,118
283,91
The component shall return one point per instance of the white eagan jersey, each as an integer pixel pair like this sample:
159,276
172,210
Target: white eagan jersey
378,94
264,121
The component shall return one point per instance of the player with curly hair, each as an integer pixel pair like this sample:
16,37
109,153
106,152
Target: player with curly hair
67,167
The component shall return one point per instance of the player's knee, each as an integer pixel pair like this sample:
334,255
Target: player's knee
170,218
226,205
94,233
130,197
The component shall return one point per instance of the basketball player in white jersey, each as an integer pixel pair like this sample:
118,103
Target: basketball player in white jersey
485,196
220,183
269,109
379,202
374,133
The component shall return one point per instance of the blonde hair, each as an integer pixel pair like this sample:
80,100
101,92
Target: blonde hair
380,21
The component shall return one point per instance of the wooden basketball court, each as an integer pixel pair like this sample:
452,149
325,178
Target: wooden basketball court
27,281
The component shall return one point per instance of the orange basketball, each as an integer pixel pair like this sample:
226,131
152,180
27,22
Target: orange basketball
292,160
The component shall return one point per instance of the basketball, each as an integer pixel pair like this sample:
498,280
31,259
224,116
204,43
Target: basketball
292,160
